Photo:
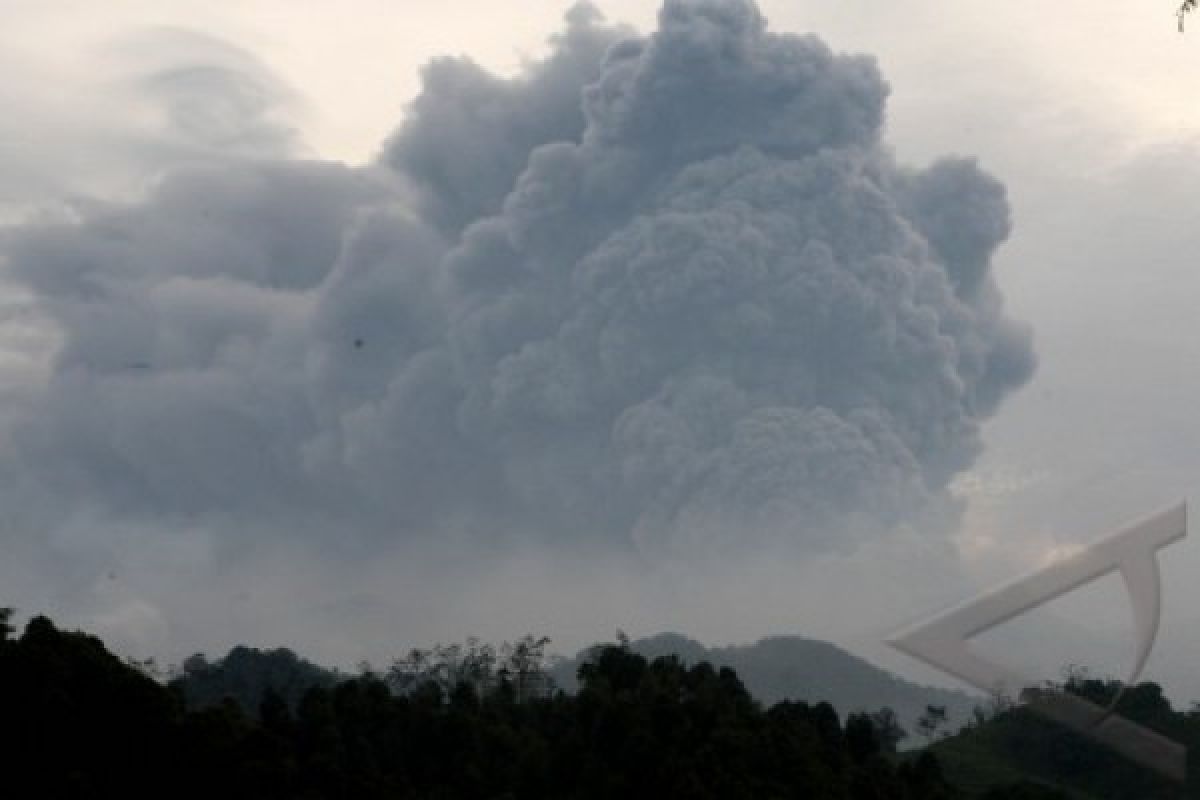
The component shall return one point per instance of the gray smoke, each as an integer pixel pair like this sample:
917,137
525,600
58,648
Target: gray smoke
469,134
668,290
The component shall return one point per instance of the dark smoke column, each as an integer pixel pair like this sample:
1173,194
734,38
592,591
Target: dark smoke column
666,292
711,309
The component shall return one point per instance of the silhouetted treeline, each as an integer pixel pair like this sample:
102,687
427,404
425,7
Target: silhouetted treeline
246,675
779,668
773,669
79,722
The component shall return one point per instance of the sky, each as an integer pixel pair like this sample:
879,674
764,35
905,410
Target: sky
289,358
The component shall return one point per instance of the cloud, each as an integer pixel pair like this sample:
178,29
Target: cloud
469,133
665,295
199,92
179,385
148,101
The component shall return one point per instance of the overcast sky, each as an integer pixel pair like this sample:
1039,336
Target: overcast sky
194,462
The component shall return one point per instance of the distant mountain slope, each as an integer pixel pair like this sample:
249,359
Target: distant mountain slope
793,667
773,669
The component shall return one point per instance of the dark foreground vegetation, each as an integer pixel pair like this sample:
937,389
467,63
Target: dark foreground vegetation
80,722
1017,743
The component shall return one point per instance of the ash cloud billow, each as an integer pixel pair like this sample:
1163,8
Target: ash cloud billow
666,292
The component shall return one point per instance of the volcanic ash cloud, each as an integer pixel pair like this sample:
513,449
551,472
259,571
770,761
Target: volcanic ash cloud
668,290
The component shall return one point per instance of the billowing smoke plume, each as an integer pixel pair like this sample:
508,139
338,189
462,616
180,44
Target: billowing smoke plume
667,290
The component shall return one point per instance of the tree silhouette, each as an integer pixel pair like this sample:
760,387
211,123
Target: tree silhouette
888,729
933,720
